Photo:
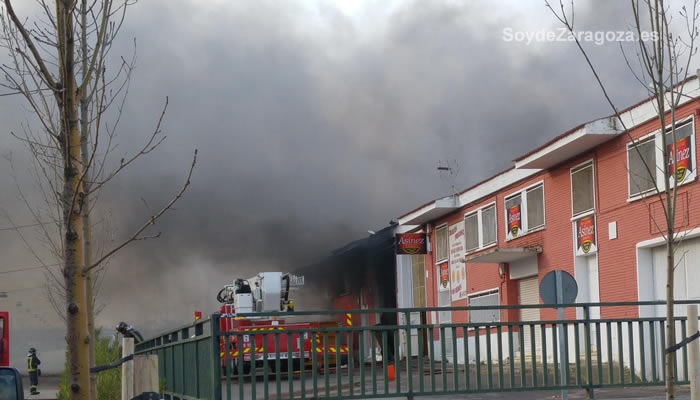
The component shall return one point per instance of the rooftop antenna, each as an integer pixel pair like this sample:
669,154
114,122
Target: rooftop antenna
448,171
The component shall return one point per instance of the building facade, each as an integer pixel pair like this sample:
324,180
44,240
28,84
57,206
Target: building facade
584,203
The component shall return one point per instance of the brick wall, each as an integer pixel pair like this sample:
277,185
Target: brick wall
617,263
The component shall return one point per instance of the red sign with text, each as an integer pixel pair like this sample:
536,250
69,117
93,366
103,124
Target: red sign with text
585,231
411,243
444,275
514,220
683,158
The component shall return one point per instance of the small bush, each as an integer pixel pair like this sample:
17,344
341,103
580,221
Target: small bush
109,383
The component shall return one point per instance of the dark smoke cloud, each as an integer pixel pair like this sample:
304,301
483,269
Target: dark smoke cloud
306,142
313,127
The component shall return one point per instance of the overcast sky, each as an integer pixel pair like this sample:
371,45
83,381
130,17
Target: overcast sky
315,122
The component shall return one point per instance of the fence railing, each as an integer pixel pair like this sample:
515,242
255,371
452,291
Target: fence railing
188,361
412,359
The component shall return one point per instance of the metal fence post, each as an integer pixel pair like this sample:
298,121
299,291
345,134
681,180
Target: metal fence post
693,353
215,359
563,362
589,350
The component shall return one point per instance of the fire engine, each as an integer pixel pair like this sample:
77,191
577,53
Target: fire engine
4,339
270,292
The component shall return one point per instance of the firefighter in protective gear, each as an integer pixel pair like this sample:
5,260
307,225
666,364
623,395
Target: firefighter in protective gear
33,369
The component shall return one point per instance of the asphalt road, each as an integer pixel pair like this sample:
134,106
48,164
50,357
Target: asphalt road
48,388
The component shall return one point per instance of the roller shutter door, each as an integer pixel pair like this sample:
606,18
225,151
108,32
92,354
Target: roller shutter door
528,293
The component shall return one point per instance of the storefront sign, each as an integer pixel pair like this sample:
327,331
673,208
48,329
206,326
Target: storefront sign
514,221
585,234
683,157
458,272
411,243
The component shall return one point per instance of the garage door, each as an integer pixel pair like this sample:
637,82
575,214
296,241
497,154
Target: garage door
686,276
687,260
528,293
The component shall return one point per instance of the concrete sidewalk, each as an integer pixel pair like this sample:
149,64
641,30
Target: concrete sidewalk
620,393
649,393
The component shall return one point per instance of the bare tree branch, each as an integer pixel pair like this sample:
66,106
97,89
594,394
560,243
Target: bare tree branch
28,40
151,221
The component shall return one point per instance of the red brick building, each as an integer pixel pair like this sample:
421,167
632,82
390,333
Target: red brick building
582,202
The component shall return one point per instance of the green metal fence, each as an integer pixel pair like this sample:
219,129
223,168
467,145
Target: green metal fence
383,361
188,361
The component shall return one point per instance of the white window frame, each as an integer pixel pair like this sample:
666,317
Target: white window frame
480,226
659,167
523,210
441,260
481,293
653,136
573,170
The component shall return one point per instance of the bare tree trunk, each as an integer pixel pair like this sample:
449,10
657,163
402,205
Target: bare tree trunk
670,325
87,243
73,134
77,336
89,294
87,229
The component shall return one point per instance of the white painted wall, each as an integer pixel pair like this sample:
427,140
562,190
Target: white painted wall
483,348
523,268
600,350
404,295
587,279
651,284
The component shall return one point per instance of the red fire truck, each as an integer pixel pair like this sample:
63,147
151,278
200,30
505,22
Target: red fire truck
4,339
269,292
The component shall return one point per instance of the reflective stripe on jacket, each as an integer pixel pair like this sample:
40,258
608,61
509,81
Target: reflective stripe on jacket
32,363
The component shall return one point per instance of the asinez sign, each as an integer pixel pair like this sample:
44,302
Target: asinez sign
444,277
458,273
585,236
514,221
684,167
411,243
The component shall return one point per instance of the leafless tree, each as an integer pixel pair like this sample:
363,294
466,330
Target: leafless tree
58,62
663,58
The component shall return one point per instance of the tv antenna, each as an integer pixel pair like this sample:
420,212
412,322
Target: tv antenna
448,171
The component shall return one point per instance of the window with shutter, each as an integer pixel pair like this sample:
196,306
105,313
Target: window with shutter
642,167
524,211
488,218
535,207
582,189
471,231
485,316
441,250
480,227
